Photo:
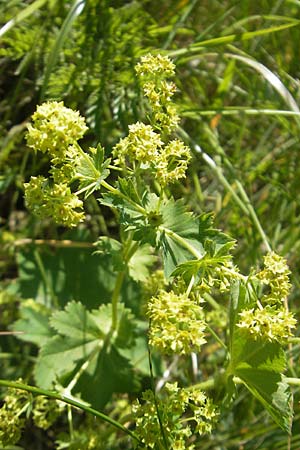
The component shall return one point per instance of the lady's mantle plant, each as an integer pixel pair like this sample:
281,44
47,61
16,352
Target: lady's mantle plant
195,259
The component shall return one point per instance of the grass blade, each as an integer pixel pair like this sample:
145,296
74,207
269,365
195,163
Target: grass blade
26,12
229,39
270,77
74,12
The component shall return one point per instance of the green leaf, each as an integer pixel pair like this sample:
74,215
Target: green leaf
59,356
111,373
167,225
184,236
138,354
124,335
34,323
76,322
203,268
91,170
128,202
68,273
242,296
272,391
141,262
80,338
178,235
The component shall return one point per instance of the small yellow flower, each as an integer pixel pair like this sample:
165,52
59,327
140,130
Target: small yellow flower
151,65
268,323
176,324
172,162
276,276
142,144
152,72
54,128
177,408
55,201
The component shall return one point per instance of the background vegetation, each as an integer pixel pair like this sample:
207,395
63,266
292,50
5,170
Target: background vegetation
238,71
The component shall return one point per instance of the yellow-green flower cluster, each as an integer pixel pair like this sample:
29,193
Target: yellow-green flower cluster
152,72
144,148
173,407
276,276
176,323
11,424
155,65
172,162
168,163
54,127
55,201
268,323
142,145
55,130
10,427
46,412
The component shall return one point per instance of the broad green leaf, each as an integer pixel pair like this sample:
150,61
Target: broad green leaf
34,323
273,392
111,373
138,354
124,334
59,356
81,336
167,224
205,267
141,262
127,201
241,297
184,236
69,272
76,322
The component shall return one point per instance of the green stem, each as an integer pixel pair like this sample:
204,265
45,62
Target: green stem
129,250
69,401
294,340
214,334
70,421
235,274
86,188
205,385
190,286
115,299
209,299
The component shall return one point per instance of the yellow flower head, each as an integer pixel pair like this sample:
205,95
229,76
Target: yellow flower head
54,128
